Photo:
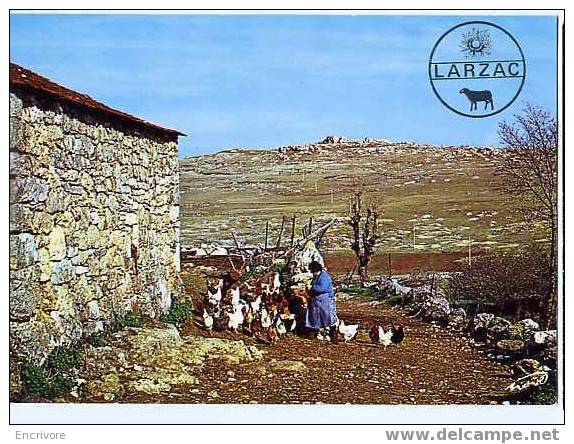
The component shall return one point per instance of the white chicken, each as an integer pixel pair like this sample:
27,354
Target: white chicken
207,320
378,335
349,332
256,305
280,326
236,318
235,295
214,297
276,282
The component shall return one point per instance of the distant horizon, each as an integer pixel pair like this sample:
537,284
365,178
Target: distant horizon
264,81
301,144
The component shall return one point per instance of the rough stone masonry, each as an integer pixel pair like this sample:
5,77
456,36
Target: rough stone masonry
94,216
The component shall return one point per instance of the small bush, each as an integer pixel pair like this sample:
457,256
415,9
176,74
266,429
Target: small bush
62,359
34,380
53,378
129,320
96,339
178,313
544,395
394,299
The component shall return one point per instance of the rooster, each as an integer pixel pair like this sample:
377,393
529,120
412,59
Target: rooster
378,335
349,332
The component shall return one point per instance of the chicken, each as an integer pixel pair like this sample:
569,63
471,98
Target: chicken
349,332
235,295
207,320
235,319
214,293
266,288
247,316
280,326
290,324
256,326
275,281
300,294
288,319
256,305
272,335
323,335
266,319
378,335
397,334
221,322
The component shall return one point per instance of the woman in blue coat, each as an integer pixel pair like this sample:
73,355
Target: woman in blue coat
322,308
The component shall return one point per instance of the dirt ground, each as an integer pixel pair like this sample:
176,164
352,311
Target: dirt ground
432,366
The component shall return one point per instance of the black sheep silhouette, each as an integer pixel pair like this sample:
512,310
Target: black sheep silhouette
478,96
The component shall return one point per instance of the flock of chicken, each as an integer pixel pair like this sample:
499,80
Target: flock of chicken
261,307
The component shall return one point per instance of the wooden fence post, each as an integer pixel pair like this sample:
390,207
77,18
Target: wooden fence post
293,231
278,244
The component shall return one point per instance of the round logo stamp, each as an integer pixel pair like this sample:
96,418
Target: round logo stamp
477,69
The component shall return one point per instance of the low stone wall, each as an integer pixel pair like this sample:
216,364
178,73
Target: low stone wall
94,222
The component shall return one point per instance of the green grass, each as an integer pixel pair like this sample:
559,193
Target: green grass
179,312
363,293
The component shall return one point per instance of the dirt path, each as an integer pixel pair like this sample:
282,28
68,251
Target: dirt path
432,366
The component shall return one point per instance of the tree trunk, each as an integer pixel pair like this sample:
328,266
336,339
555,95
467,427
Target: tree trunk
549,305
363,270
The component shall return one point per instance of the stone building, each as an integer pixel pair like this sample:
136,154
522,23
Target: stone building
94,216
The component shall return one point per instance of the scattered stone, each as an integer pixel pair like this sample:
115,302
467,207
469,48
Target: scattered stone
511,346
287,365
149,386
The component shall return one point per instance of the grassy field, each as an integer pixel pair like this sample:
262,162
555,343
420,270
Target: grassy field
446,195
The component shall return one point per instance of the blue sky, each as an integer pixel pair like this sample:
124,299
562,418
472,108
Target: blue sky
264,81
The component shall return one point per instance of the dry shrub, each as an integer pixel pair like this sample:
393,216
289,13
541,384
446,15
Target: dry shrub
510,283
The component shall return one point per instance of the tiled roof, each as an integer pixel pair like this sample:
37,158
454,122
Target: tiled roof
24,78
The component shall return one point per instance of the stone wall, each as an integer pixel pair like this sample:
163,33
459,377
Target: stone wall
94,222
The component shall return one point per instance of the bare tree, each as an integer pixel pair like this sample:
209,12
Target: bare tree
365,235
530,170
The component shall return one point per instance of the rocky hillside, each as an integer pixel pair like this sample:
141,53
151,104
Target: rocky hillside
446,194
